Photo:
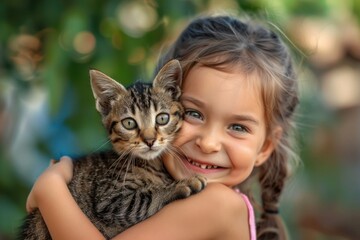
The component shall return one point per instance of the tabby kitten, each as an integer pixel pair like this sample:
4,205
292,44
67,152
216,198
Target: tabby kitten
119,188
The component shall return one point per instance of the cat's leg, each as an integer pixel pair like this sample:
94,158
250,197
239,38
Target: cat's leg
184,188
164,194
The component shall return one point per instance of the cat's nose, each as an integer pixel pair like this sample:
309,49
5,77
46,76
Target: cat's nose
148,135
149,141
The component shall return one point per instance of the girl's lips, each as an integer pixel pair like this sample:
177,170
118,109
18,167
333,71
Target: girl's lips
201,167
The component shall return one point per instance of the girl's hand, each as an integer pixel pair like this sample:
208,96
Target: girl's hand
62,170
51,195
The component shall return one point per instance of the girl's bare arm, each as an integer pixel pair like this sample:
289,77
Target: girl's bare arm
215,213
62,215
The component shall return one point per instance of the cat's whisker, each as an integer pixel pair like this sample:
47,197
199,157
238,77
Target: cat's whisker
113,166
114,163
130,161
177,153
123,159
149,163
122,156
125,156
101,146
118,173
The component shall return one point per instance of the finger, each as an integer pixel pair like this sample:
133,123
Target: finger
29,207
52,162
66,159
65,168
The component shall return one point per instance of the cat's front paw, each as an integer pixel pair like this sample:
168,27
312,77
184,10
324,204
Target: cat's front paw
190,186
197,183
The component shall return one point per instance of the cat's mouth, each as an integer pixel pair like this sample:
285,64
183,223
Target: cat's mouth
150,153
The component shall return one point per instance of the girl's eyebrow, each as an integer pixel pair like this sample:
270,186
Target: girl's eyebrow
192,100
246,118
236,117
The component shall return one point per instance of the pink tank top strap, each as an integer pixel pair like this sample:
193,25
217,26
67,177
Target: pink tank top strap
252,223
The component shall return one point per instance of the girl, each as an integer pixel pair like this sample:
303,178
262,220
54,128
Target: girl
239,93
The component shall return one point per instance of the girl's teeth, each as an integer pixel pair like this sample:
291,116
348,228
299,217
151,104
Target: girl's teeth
203,166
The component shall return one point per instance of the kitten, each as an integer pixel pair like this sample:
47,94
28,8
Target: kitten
119,188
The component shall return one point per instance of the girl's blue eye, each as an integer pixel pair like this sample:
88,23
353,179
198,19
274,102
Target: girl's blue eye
239,128
193,114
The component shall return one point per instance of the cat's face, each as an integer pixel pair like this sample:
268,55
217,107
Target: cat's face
142,120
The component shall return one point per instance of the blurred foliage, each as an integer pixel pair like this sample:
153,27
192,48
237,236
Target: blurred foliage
46,104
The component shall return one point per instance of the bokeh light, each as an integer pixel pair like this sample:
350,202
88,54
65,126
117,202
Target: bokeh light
136,17
84,42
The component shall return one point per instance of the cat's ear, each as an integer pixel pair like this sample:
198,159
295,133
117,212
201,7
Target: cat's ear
106,90
170,78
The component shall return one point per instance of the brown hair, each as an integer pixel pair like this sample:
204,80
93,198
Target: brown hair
225,43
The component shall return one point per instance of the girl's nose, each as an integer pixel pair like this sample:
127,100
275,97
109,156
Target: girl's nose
208,142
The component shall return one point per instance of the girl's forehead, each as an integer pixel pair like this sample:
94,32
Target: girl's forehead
235,85
228,77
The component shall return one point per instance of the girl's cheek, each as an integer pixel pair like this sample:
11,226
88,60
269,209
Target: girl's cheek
185,134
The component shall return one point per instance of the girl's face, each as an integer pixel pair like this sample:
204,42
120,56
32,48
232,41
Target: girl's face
224,133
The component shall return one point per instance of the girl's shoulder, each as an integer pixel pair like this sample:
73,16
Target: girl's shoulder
226,196
230,209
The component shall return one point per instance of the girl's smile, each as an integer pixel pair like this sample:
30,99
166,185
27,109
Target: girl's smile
224,135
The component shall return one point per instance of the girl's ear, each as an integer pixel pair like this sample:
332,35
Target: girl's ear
269,146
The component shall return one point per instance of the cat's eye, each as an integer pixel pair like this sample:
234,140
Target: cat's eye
129,123
162,118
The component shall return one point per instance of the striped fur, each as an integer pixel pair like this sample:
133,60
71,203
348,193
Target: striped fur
119,188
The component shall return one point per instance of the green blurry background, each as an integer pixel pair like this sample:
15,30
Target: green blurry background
47,109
